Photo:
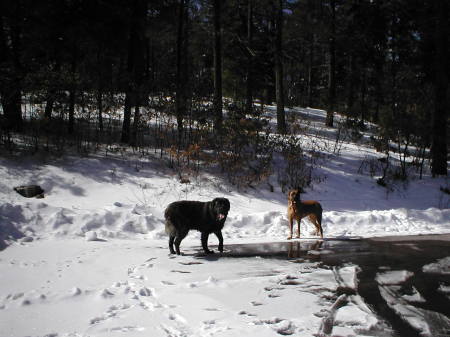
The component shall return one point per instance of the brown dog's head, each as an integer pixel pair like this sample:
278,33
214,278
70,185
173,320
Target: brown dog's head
294,196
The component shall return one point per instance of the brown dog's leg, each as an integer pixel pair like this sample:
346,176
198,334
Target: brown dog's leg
299,220
291,223
317,223
319,226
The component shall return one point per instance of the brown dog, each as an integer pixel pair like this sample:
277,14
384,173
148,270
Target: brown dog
298,209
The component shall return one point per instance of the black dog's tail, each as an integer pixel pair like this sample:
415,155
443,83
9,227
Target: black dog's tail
170,228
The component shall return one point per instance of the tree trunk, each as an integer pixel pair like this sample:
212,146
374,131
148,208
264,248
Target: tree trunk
71,111
125,138
439,119
332,69
72,91
137,115
281,119
351,87
218,105
100,109
363,97
135,69
180,99
378,89
249,84
10,89
311,71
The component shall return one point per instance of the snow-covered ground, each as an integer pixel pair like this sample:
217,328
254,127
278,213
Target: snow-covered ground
91,258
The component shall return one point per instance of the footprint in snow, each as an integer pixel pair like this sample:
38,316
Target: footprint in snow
211,309
147,265
106,293
75,291
281,326
255,304
177,318
289,281
112,311
243,312
145,292
273,288
273,295
127,328
190,263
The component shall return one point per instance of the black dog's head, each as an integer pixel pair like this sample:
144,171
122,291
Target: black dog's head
221,206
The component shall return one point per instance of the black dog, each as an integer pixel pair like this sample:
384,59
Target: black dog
206,217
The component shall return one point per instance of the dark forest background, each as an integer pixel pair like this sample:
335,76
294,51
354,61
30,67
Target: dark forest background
88,72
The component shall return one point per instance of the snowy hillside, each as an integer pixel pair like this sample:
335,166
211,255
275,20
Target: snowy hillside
126,197
90,258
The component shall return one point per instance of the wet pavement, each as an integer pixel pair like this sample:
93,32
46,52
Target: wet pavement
375,256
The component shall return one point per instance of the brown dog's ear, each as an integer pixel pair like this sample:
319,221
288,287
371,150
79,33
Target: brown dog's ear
291,194
294,195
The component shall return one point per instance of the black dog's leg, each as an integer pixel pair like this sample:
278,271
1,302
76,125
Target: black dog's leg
220,237
180,236
205,236
171,240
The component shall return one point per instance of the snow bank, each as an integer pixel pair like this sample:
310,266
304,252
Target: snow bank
37,219
40,220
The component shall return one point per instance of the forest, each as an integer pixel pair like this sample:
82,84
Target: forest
189,79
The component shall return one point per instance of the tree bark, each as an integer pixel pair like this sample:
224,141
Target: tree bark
180,99
351,86
439,119
71,111
218,104
11,88
281,119
249,84
332,69
125,138
72,90
135,70
311,71
100,109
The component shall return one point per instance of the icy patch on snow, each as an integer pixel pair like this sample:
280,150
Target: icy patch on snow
424,321
393,277
442,266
